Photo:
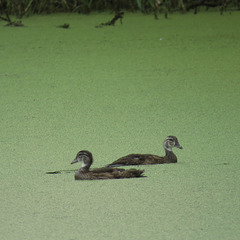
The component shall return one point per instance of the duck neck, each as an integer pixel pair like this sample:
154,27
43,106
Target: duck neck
85,166
170,156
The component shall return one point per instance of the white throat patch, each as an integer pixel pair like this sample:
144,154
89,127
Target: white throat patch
83,164
167,147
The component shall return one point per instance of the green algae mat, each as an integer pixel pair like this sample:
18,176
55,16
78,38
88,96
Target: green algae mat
114,91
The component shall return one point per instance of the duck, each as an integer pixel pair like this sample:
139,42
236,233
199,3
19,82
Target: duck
145,159
84,173
65,25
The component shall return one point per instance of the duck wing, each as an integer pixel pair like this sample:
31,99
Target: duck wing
137,159
108,173
116,173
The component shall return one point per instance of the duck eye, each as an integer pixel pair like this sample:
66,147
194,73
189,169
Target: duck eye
171,142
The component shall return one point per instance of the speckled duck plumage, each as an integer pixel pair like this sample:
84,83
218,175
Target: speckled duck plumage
145,159
84,173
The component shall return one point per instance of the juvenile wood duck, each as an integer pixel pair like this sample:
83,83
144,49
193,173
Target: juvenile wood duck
144,159
100,173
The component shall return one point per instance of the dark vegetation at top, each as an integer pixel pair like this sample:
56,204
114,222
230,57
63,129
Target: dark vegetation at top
20,8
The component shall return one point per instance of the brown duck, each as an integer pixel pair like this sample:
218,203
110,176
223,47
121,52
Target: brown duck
100,173
144,159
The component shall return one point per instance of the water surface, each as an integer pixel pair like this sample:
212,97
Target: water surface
114,91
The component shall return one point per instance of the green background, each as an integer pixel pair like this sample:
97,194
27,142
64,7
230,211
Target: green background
114,91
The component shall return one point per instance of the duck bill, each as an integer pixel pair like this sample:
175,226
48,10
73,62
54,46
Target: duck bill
74,161
178,146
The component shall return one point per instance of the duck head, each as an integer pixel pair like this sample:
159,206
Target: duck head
85,157
170,142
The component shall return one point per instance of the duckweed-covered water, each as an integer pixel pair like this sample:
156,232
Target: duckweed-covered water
113,91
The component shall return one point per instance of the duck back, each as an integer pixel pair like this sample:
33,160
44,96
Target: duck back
138,159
